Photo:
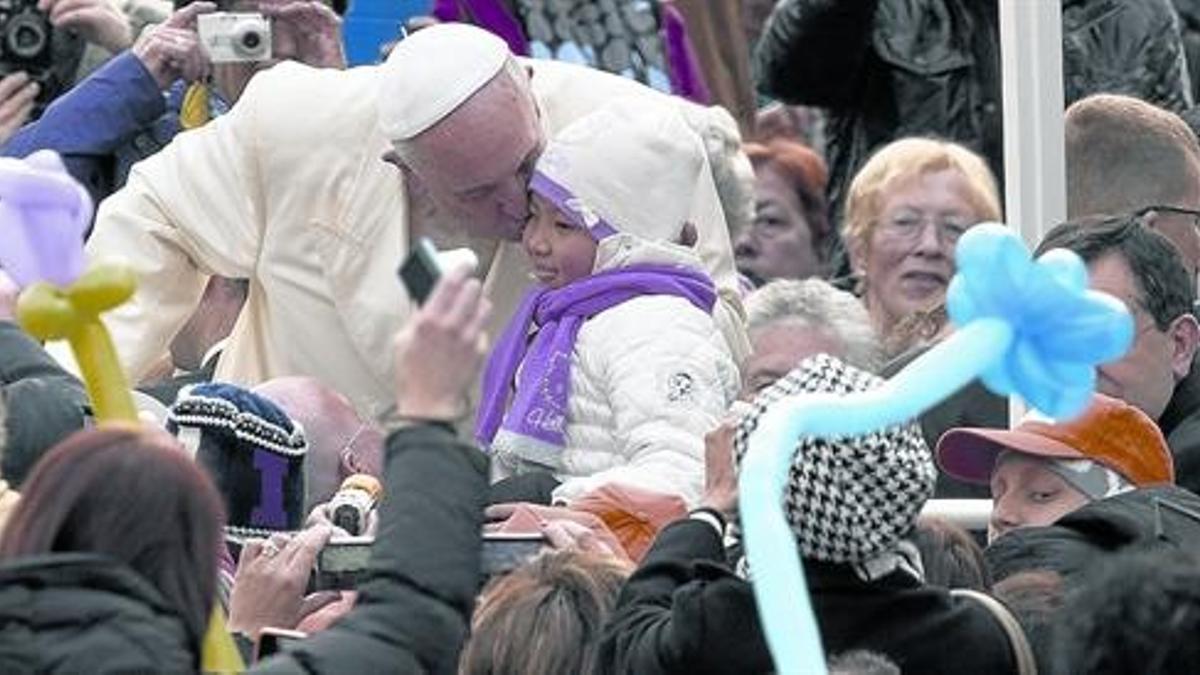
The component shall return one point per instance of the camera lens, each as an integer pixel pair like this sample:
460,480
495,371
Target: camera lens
251,40
25,36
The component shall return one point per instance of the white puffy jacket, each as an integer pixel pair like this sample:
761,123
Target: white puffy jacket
649,378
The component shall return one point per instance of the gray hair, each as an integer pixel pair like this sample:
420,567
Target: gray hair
814,303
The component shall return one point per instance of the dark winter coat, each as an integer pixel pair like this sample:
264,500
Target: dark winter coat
887,69
1180,424
85,613
1159,517
44,402
683,611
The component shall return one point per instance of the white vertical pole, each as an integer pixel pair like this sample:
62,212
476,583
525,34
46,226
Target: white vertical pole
1034,167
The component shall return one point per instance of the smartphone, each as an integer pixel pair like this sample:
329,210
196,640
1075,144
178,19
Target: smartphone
424,265
272,640
342,564
420,270
504,552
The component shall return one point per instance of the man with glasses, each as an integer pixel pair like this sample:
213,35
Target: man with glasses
1181,226
1140,267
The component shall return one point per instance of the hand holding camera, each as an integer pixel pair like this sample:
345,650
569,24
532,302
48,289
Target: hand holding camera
171,51
18,94
305,31
272,576
313,30
235,37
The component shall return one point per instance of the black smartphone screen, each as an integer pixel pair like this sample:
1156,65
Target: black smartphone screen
420,271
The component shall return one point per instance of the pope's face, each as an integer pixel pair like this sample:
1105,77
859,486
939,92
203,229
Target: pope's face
476,163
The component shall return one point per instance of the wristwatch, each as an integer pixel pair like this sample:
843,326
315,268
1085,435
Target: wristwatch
712,517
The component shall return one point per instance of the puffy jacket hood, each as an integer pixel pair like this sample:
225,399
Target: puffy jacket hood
74,613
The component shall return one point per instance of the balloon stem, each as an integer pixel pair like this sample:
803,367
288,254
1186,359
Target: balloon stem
102,374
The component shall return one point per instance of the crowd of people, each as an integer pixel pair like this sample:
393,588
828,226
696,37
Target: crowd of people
534,468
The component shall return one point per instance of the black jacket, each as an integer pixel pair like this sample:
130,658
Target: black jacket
84,613
1180,423
413,613
45,403
1167,517
886,69
683,611
1189,20
972,406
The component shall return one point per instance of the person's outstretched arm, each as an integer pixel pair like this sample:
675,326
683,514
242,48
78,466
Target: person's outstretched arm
91,121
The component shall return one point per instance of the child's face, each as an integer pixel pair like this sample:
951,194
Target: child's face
560,251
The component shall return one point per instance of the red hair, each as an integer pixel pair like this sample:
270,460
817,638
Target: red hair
805,172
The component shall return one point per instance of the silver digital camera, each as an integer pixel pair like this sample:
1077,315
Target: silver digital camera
232,37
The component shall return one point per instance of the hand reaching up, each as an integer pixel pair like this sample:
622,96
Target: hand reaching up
440,349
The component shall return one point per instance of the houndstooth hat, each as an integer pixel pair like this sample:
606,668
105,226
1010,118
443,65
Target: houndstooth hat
851,499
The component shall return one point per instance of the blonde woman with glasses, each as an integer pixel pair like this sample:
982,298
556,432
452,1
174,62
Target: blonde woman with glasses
906,210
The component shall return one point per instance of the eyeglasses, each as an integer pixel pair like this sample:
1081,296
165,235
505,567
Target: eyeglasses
1147,210
908,225
349,444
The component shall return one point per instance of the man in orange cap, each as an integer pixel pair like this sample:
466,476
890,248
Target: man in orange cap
1042,470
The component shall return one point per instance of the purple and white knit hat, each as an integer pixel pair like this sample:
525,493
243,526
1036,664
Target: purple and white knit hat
631,166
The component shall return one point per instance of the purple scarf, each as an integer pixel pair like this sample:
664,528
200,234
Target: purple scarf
536,421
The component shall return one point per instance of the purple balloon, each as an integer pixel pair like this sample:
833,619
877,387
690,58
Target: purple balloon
43,215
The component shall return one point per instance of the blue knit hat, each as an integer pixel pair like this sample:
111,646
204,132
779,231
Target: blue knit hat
252,450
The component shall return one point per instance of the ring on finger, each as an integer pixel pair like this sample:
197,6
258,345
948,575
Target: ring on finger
270,549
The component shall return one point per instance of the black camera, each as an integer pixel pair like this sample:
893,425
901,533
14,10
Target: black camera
29,43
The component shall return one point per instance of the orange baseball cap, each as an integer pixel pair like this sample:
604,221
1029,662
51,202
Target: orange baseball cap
1111,432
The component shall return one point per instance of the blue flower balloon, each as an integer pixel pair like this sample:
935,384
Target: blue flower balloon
1061,330
1026,327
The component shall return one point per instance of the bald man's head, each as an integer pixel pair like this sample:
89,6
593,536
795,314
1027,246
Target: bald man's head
340,442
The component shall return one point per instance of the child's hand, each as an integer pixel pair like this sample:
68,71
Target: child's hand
439,351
